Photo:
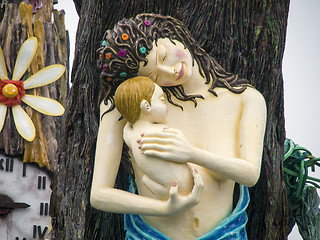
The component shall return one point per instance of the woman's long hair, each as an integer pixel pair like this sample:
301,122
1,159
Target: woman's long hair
127,45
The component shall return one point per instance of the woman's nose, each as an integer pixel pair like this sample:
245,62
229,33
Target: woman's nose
168,70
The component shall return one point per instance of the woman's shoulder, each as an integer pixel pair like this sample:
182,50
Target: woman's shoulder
249,97
249,93
104,106
253,95
106,111
110,119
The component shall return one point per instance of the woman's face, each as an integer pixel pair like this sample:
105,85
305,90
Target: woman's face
168,64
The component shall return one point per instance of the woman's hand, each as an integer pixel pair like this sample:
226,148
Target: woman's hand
170,144
177,204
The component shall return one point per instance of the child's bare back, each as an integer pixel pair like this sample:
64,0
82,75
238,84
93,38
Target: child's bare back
155,170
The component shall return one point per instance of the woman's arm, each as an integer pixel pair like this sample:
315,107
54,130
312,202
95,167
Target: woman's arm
107,160
171,145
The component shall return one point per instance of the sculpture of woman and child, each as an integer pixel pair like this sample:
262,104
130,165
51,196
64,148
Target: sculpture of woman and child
184,171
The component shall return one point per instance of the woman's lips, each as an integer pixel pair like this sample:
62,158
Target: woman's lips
181,72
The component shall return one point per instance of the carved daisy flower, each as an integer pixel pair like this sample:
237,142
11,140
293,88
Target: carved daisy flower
12,91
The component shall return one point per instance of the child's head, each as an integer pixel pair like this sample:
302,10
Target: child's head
137,93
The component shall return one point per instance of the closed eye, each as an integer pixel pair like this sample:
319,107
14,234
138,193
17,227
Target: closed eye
162,53
164,57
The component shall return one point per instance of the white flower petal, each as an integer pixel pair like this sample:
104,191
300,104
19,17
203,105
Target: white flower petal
3,111
44,76
3,68
44,105
23,123
25,56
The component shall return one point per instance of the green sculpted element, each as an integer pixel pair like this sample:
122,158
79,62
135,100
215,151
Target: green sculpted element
301,190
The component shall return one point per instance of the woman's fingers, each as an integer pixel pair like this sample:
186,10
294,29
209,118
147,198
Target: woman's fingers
172,130
173,193
154,140
158,134
178,203
171,145
155,147
157,154
198,185
168,137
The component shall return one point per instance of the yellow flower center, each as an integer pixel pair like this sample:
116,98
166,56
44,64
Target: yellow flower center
10,90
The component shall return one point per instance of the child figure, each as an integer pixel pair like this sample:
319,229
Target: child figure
141,102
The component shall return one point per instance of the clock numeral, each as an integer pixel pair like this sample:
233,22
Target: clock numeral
37,231
24,170
9,164
42,181
17,238
8,167
44,209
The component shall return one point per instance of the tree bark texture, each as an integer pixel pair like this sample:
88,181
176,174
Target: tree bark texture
246,38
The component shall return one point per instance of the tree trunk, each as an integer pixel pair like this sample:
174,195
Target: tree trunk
246,37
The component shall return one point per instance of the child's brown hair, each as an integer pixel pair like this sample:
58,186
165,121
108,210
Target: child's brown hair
129,95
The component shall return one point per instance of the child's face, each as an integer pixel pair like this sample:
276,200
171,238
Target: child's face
159,110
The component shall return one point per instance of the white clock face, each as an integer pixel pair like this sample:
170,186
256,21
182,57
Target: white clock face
29,184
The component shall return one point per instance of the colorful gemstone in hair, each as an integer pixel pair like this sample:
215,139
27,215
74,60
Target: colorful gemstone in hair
147,23
122,53
108,56
125,36
123,74
143,50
